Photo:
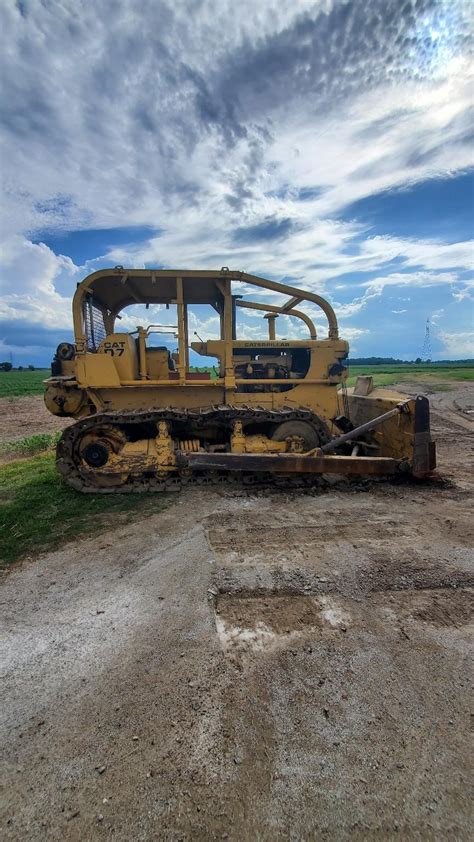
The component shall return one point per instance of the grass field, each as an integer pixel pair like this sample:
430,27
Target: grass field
38,512
387,375
17,383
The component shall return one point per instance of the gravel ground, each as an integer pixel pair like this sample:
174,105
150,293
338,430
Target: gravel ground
250,666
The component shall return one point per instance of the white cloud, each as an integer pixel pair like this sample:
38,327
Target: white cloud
436,315
393,136
206,122
412,279
430,254
463,294
31,273
350,333
244,104
458,345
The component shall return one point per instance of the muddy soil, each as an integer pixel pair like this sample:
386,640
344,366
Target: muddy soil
250,666
27,416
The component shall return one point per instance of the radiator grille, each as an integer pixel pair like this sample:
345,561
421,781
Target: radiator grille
94,327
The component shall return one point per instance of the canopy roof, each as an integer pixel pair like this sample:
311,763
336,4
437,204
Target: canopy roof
117,288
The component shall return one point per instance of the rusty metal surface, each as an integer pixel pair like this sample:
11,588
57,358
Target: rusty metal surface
369,425
290,463
424,449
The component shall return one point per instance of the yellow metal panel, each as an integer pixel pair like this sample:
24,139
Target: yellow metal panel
96,371
157,364
121,347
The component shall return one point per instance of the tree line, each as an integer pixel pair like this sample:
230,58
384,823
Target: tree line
9,367
395,361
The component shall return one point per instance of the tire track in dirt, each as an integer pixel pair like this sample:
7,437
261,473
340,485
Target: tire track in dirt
326,607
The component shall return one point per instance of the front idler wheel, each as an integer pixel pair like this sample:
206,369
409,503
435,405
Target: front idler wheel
95,451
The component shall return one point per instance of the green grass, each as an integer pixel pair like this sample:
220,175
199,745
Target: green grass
387,375
30,445
39,512
15,384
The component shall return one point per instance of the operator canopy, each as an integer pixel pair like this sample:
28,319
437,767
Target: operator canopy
115,289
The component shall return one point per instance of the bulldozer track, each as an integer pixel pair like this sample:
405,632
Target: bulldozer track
69,463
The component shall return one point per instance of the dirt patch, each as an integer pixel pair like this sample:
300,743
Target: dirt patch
257,624
445,608
20,417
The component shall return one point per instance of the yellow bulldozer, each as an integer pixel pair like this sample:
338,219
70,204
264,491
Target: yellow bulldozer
271,410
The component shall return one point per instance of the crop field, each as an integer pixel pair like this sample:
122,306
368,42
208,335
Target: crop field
15,384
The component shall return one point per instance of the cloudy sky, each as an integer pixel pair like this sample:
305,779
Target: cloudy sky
327,143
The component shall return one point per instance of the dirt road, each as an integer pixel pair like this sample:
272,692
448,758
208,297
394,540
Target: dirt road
250,666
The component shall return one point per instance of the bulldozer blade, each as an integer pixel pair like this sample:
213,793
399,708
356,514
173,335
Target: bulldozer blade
424,450
291,464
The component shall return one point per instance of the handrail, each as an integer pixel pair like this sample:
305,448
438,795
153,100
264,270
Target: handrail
271,308
300,294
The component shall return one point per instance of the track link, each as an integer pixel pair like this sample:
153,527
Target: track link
69,463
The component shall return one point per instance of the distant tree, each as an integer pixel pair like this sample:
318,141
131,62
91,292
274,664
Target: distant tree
5,366
376,361
418,360
31,368
20,368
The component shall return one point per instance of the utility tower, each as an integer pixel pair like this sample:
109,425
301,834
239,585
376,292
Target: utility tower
426,352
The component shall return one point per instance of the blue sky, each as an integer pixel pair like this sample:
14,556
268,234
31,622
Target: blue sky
327,143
